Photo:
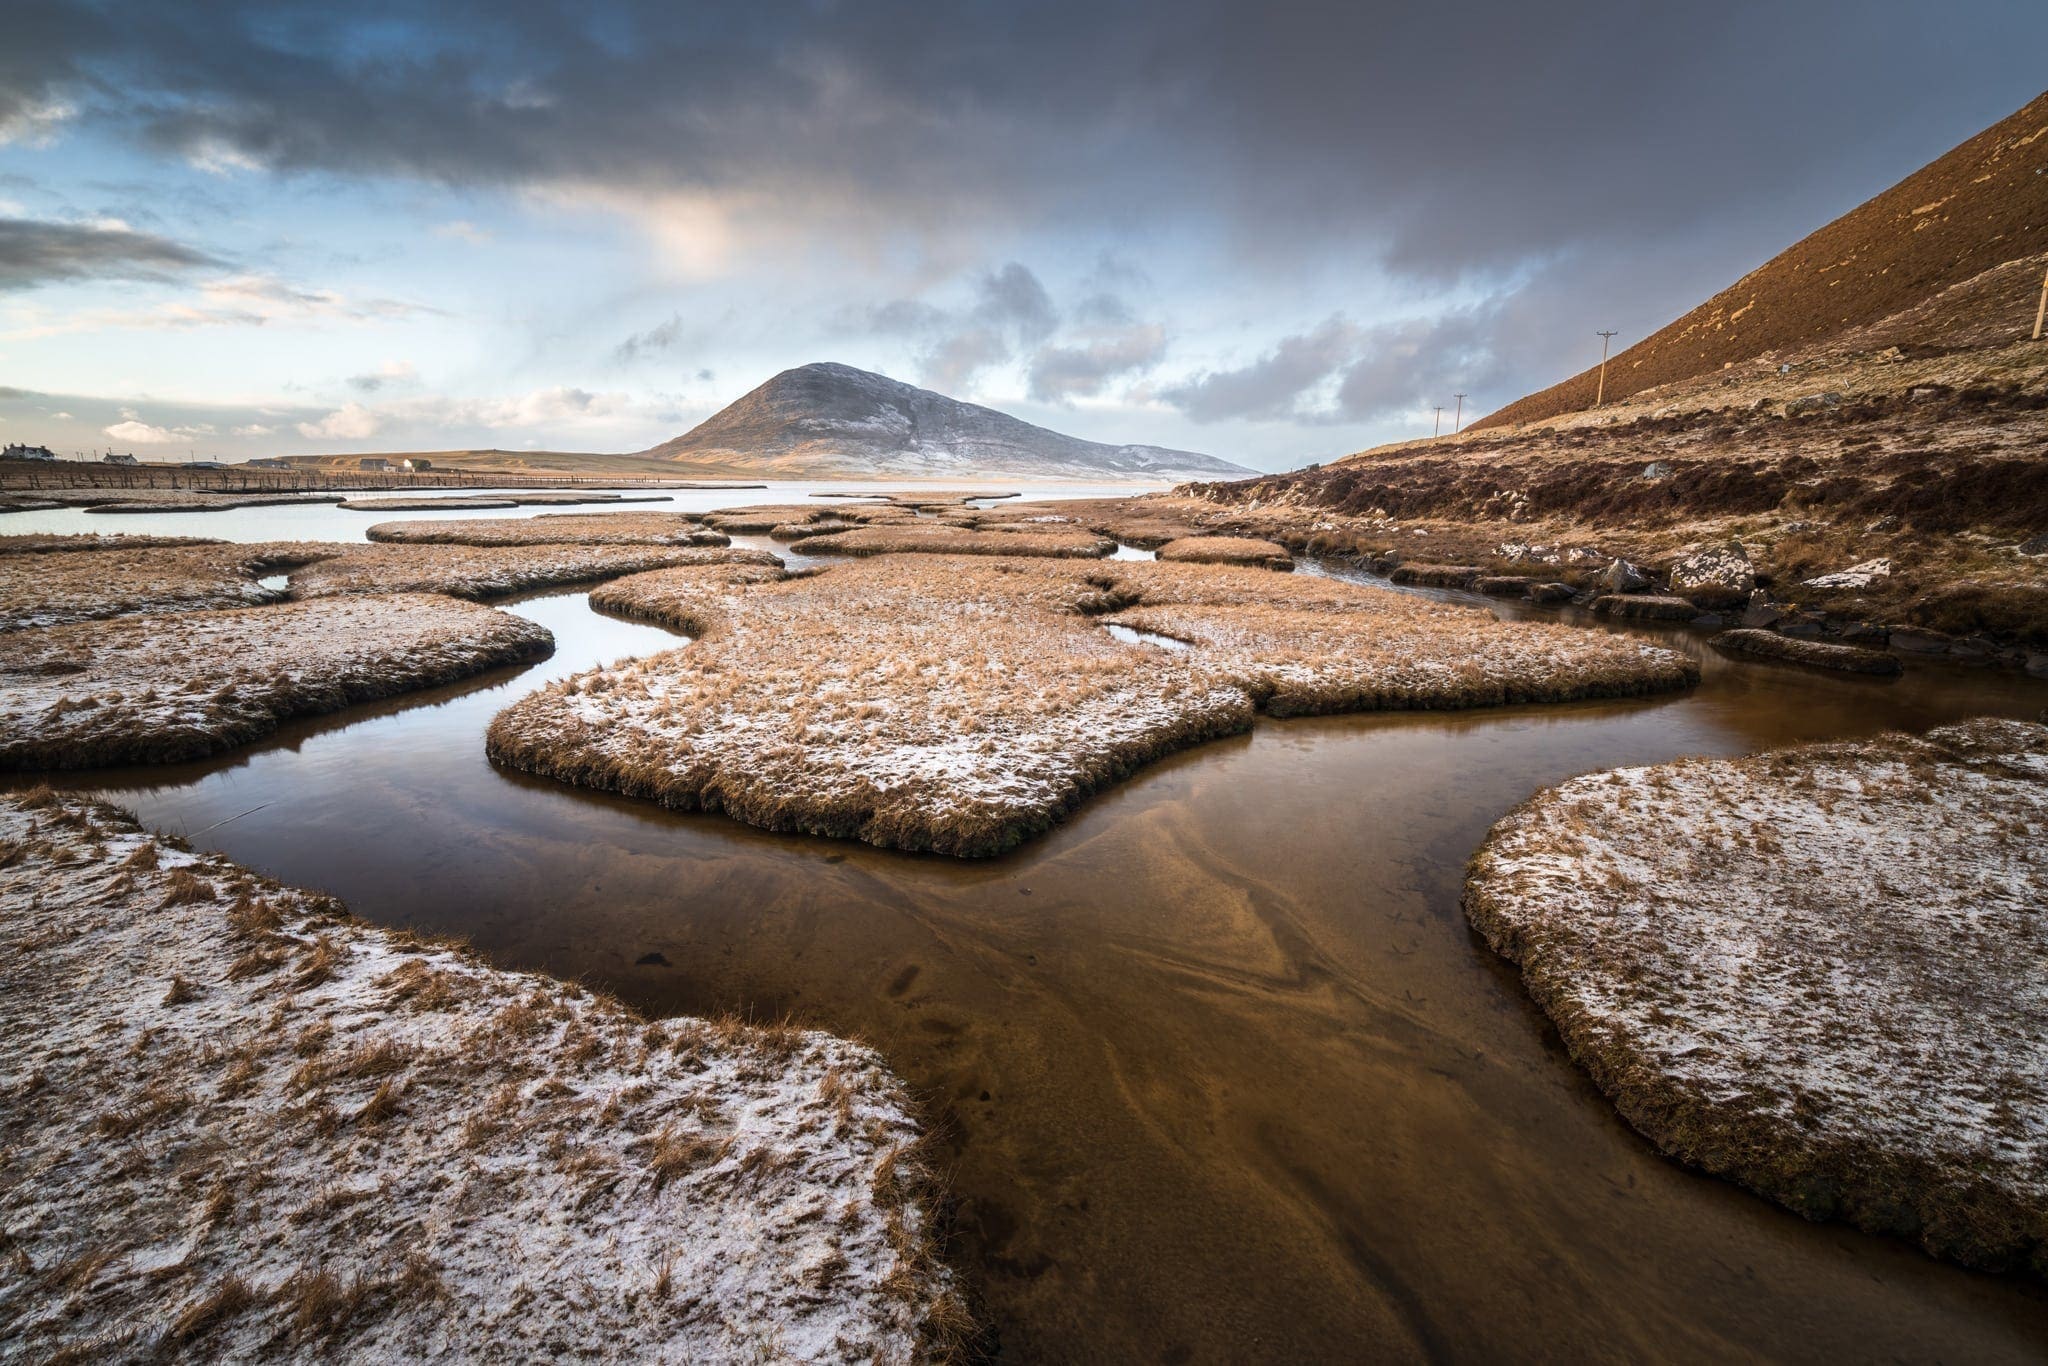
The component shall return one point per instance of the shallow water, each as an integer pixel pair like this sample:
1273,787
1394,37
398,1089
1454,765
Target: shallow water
1221,1069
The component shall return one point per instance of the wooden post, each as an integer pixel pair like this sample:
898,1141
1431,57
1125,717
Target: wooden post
1439,431
1600,394
1458,419
2041,313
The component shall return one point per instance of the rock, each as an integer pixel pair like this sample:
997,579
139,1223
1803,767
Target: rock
1720,577
1709,621
1801,627
1863,633
1855,576
1813,403
1502,585
1761,611
1623,577
2037,666
1920,642
1770,645
1920,393
2037,546
1644,607
1551,592
1436,575
1657,469
1882,525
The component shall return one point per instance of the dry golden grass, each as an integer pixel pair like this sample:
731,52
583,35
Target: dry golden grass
555,528
1818,971
1226,550
481,572
50,543
51,587
961,704
340,1170
155,689
762,519
1813,653
934,538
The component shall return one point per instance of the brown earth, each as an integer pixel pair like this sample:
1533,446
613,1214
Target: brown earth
1975,208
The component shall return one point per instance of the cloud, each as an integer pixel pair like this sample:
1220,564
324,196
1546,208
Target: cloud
393,372
350,422
661,337
236,301
36,253
1273,386
1011,311
1062,373
141,433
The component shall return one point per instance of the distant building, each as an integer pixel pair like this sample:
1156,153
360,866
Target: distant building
111,459
204,465
17,451
373,462
416,464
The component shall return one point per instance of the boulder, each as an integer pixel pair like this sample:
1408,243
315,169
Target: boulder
1657,469
1920,642
1812,403
1502,585
2037,546
1761,610
1644,607
1717,577
1623,577
1818,654
1855,576
1551,592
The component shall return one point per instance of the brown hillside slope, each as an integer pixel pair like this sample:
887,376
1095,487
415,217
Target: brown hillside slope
1980,205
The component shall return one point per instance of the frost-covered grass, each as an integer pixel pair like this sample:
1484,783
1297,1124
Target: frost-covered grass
961,704
46,588
49,543
1226,550
1819,654
1821,972
239,1124
479,572
936,538
555,528
156,689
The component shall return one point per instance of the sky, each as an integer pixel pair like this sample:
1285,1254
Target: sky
1275,232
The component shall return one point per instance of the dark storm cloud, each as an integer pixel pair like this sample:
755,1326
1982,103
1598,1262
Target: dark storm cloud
661,337
1060,374
36,253
1441,138
1012,312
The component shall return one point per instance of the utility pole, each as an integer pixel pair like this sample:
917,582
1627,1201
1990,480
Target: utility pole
1458,420
2041,313
1439,423
1600,395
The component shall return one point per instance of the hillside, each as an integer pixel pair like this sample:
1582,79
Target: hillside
1981,205
833,421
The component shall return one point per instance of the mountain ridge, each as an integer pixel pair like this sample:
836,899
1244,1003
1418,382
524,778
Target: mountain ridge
826,419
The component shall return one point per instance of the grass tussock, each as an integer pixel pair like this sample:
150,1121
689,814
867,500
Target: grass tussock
480,573
49,587
961,704
556,528
1244,550
157,689
1856,927
931,538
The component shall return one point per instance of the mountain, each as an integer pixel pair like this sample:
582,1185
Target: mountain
832,421
1981,205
